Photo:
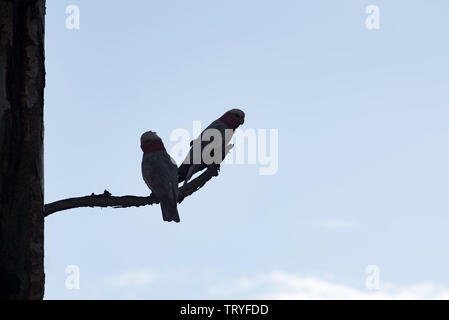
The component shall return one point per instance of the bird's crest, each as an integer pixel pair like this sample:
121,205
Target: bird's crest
149,136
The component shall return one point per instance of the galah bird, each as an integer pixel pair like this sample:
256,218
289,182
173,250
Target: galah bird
226,126
160,174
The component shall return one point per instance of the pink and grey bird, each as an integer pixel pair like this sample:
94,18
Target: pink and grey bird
226,126
160,173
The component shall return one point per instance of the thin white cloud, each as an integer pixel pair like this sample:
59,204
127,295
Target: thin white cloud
281,285
336,224
133,278
145,283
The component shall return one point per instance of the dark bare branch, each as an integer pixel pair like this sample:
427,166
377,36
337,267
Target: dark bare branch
107,200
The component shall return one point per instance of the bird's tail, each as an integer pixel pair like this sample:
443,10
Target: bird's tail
170,212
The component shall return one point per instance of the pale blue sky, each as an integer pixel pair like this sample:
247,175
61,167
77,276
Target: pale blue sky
363,143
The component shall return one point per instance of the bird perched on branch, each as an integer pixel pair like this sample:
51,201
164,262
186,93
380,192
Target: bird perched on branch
160,174
212,145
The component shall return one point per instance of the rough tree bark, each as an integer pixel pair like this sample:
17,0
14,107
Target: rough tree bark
22,81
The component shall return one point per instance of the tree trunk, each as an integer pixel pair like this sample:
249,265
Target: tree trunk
22,81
